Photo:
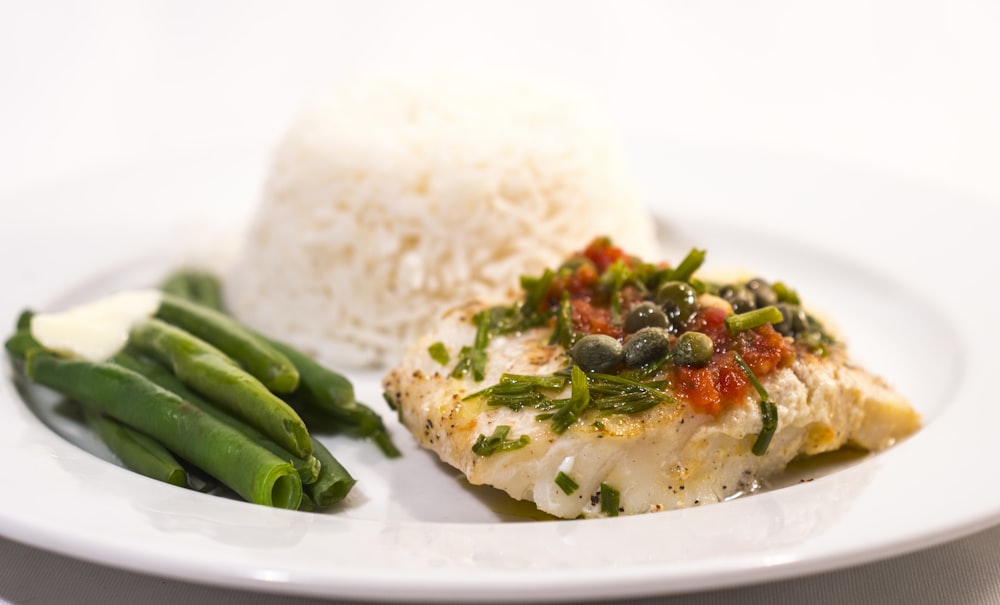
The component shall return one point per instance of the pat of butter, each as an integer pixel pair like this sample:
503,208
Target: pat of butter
98,330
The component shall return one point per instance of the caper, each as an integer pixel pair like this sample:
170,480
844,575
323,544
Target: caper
679,301
597,352
693,349
741,299
763,294
643,315
795,323
647,345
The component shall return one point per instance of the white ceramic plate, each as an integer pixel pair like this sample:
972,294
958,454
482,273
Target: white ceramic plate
907,271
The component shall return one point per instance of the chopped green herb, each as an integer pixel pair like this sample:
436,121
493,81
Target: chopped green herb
512,395
753,319
516,391
579,400
551,381
473,359
785,294
691,263
535,289
498,442
613,394
566,483
614,278
439,353
768,411
769,424
607,393
563,333
750,375
610,500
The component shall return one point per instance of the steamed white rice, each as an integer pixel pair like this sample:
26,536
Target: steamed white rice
391,199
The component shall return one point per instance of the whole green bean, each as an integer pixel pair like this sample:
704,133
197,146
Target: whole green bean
319,388
216,376
24,319
229,336
331,393
307,468
20,342
334,481
178,284
250,470
198,286
136,451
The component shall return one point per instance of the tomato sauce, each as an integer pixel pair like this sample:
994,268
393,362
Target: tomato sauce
707,389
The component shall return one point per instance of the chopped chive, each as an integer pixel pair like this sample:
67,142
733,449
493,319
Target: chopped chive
610,500
753,319
608,393
768,411
439,353
623,384
579,400
473,359
615,277
689,265
769,424
498,442
535,289
550,381
750,375
563,333
566,483
785,294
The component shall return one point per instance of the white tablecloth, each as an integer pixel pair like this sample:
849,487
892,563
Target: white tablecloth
910,89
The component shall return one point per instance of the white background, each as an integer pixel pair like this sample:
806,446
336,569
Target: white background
906,89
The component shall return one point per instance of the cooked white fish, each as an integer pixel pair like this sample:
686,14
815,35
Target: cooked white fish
671,455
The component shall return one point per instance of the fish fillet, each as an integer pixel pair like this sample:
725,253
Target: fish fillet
672,455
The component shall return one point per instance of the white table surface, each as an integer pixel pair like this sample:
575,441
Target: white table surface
908,89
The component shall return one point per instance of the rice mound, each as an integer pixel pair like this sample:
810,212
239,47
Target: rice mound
391,199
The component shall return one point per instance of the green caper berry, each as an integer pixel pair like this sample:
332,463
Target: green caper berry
644,315
739,297
679,301
647,345
693,349
597,352
763,294
795,323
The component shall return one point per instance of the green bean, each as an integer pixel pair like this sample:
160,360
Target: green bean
24,319
250,470
21,342
194,285
216,376
326,391
136,451
307,468
319,388
179,284
334,481
306,504
229,336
